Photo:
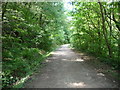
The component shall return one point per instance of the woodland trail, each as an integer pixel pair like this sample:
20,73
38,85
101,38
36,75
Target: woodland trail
66,69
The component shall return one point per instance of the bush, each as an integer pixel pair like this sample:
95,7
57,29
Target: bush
19,66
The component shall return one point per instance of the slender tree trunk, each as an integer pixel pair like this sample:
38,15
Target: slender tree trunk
99,38
4,5
110,28
119,31
117,22
104,30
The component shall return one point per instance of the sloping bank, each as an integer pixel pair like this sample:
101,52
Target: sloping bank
17,71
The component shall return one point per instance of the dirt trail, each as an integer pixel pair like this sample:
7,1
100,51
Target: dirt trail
66,69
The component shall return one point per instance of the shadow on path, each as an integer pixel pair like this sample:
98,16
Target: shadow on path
67,69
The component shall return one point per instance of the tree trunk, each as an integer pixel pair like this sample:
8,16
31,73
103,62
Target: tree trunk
119,31
104,30
99,39
4,5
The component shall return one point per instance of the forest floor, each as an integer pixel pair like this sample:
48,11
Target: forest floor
66,68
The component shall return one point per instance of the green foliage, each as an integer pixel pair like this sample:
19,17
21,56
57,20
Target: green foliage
17,66
95,32
30,30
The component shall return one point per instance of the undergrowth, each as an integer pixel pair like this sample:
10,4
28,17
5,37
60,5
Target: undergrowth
18,67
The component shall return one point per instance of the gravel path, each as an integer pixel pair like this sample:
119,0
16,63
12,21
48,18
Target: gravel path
66,69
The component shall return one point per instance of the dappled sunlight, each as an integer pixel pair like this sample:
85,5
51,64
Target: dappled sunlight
74,60
54,53
80,60
47,60
22,80
101,74
65,60
69,42
76,84
58,53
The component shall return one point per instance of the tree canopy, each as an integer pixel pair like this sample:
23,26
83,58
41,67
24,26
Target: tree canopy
96,29
31,30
